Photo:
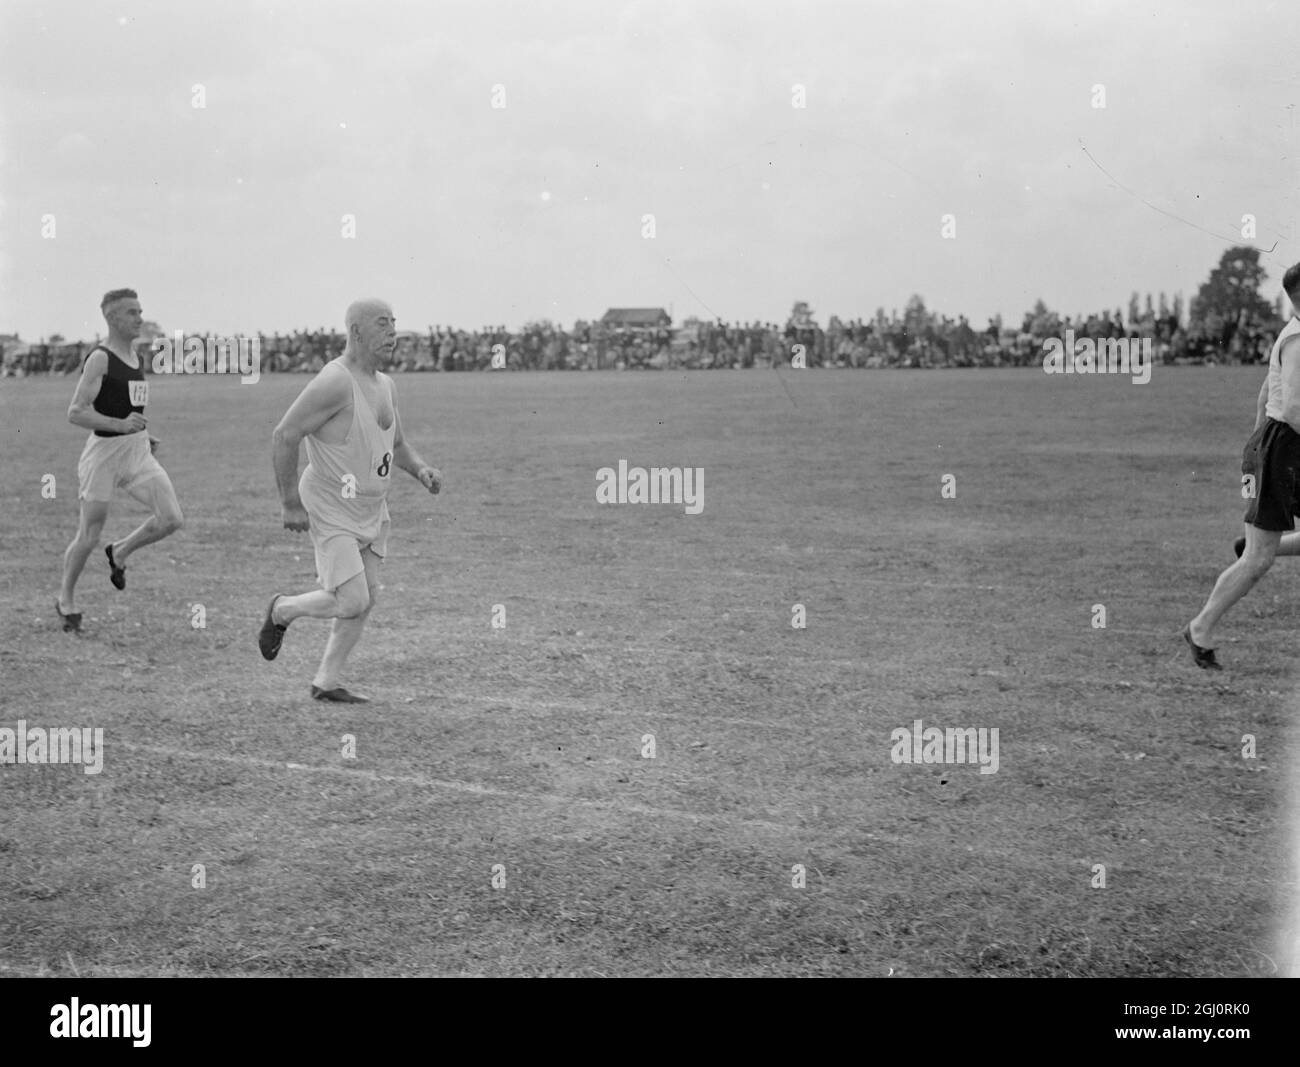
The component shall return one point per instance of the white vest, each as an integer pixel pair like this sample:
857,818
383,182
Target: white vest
1273,408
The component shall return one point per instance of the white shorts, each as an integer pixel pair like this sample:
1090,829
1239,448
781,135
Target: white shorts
338,554
340,535
112,464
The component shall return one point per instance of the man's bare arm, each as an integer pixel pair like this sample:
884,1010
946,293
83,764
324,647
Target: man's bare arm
1261,403
316,405
81,412
405,457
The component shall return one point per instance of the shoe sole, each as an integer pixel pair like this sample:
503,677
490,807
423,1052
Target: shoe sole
271,635
116,574
324,694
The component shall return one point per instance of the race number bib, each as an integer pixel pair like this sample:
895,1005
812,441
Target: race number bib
139,393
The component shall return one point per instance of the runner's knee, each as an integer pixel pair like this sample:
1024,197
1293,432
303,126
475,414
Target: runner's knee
353,600
1257,559
1257,565
171,520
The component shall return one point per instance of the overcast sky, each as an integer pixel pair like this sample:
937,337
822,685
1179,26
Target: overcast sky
230,217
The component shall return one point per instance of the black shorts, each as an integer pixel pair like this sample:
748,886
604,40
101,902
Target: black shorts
1270,476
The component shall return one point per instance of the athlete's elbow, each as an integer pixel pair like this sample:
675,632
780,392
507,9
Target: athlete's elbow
282,437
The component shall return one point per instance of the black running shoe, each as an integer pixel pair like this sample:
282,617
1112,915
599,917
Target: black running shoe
116,574
71,621
270,637
1204,656
338,695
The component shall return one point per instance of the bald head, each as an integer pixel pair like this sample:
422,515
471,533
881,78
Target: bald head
372,332
362,310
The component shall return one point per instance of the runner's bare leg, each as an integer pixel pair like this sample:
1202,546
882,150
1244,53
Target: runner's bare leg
346,631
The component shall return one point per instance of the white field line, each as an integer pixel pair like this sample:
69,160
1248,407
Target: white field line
769,577
646,716
649,712
607,709
1195,681
783,615
1025,587
473,788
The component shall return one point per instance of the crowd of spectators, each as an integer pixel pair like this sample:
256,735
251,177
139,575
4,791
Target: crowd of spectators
916,338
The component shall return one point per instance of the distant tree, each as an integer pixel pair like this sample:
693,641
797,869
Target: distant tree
56,338
915,317
1133,313
1231,289
1178,306
1162,309
1043,322
1228,307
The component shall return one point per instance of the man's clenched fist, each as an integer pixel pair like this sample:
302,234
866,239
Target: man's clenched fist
295,518
430,478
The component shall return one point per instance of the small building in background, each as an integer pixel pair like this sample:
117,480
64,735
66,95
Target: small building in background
636,319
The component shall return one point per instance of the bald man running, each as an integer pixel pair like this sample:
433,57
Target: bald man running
348,417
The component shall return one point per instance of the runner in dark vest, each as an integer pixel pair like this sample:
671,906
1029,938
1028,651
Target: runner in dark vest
109,402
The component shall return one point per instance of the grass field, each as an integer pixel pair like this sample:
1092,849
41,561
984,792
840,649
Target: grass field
522,746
